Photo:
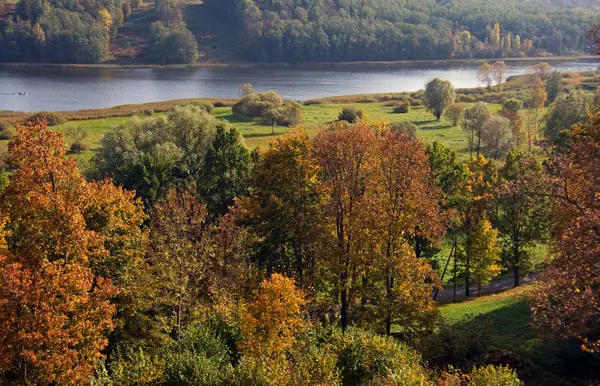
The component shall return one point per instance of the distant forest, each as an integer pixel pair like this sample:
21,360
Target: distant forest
76,31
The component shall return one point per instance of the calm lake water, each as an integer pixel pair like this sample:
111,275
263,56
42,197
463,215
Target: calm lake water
90,88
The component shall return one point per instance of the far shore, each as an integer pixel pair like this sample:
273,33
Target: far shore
315,65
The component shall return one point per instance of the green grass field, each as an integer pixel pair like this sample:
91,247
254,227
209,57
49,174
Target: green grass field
256,133
542,362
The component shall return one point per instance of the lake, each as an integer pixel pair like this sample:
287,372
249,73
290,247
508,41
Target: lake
92,88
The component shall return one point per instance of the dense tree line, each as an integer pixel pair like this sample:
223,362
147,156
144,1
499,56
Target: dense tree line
307,31
348,30
81,32
60,31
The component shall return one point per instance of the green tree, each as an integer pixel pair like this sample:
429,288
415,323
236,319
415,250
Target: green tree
475,119
153,154
554,85
521,215
568,111
439,94
497,137
226,170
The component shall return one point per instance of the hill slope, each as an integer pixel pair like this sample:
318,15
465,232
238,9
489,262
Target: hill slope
291,30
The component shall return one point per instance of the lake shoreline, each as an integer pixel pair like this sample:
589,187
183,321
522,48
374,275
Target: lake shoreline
318,65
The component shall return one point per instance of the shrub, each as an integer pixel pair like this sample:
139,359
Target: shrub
459,344
220,104
199,358
7,133
466,98
407,128
78,148
205,105
415,102
367,99
51,118
455,113
312,102
256,104
147,112
371,359
402,108
4,126
494,376
513,105
350,114
291,114
77,135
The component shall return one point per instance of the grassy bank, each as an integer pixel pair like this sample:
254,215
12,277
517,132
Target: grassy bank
116,61
507,319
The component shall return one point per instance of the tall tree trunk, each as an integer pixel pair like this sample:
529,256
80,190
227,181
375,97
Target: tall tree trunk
389,283
517,264
468,269
344,308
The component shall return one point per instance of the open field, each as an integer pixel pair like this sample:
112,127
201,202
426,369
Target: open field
258,134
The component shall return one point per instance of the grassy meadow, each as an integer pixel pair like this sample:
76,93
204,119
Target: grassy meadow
315,116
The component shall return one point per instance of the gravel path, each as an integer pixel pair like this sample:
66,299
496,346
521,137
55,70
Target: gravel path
495,286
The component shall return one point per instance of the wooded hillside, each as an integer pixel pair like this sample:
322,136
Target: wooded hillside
169,32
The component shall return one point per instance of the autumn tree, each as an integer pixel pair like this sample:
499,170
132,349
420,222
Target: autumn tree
521,214
537,102
517,44
472,203
567,301
66,250
484,75
541,70
404,206
177,258
498,71
271,327
455,113
482,249
439,94
283,208
495,36
344,153
475,119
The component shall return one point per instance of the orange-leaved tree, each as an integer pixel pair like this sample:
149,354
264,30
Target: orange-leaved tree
271,327
283,209
66,240
344,154
567,302
404,206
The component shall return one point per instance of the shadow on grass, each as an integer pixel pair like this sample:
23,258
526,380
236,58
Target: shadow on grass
538,361
433,125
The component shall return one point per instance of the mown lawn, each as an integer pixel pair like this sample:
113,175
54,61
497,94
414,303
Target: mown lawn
546,362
